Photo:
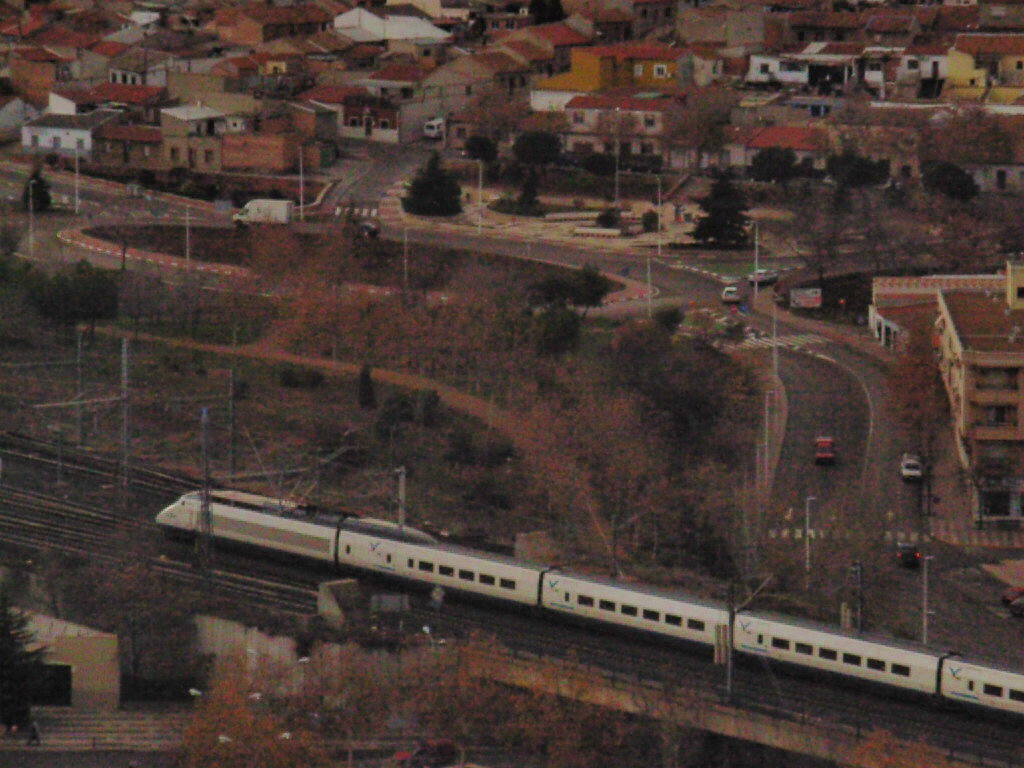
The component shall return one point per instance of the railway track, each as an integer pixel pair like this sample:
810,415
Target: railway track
35,522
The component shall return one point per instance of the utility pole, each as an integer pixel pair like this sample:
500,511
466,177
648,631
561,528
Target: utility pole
302,187
400,472
77,199
124,413
858,573
479,195
807,541
231,422
205,541
650,287
78,390
757,262
924,598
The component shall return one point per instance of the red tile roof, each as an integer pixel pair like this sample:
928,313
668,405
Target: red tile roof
957,18
139,133
620,101
627,51
889,22
65,38
399,73
40,54
789,137
824,20
109,48
294,14
498,62
927,49
129,94
993,44
331,94
559,34
22,28
527,50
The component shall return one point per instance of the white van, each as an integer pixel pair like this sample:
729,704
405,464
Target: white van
434,129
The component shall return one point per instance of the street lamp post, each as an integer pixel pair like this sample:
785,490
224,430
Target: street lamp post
31,220
924,598
479,194
807,541
858,572
757,255
617,146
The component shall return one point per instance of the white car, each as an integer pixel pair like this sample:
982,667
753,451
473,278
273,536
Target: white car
911,467
731,295
763,277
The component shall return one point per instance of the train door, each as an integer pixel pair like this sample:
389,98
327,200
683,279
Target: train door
750,636
958,682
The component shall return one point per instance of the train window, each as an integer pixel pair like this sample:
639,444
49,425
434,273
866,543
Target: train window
425,566
508,584
348,549
851,658
586,602
389,558
805,649
970,685
1016,695
900,669
629,610
695,624
778,642
466,575
652,615
876,664
410,562
568,597
675,621
992,690
446,570
606,605
489,580
760,639
828,654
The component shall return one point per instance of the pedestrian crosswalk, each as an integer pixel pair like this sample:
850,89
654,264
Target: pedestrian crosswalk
358,212
796,533
791,341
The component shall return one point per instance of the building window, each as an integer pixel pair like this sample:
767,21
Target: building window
650,121
35,139
469,90
765,69
146,150
386,124
174,154
208,156
1020,64
646,148
660,70
577,117
354,122
80,143
56,142
912,64
638,70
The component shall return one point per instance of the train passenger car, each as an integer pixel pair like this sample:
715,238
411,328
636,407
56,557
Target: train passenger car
480,574
256,521
634,606
987,685
825,648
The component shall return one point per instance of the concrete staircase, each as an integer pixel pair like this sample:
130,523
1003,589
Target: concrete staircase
63,730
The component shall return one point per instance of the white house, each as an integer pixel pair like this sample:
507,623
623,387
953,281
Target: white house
66,135
362,26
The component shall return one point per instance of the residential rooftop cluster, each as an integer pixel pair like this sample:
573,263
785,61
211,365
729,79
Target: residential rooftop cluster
210,86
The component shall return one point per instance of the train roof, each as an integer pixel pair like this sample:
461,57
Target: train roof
456,549
669,593
852,634
387,530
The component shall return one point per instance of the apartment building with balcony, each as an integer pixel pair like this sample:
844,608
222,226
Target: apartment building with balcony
980,349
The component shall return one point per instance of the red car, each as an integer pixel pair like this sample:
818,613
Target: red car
824,450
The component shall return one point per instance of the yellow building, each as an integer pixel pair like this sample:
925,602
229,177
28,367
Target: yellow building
981,360
601,67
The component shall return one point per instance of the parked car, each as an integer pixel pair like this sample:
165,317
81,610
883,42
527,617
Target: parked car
911,468
731,295
763,277
824,450
908,554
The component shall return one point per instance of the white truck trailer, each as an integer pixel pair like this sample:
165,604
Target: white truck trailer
266,212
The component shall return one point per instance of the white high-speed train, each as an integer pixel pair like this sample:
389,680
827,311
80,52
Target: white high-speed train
413,556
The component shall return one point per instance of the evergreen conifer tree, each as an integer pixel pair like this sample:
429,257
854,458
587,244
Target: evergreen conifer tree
433,191
19,663
725,219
